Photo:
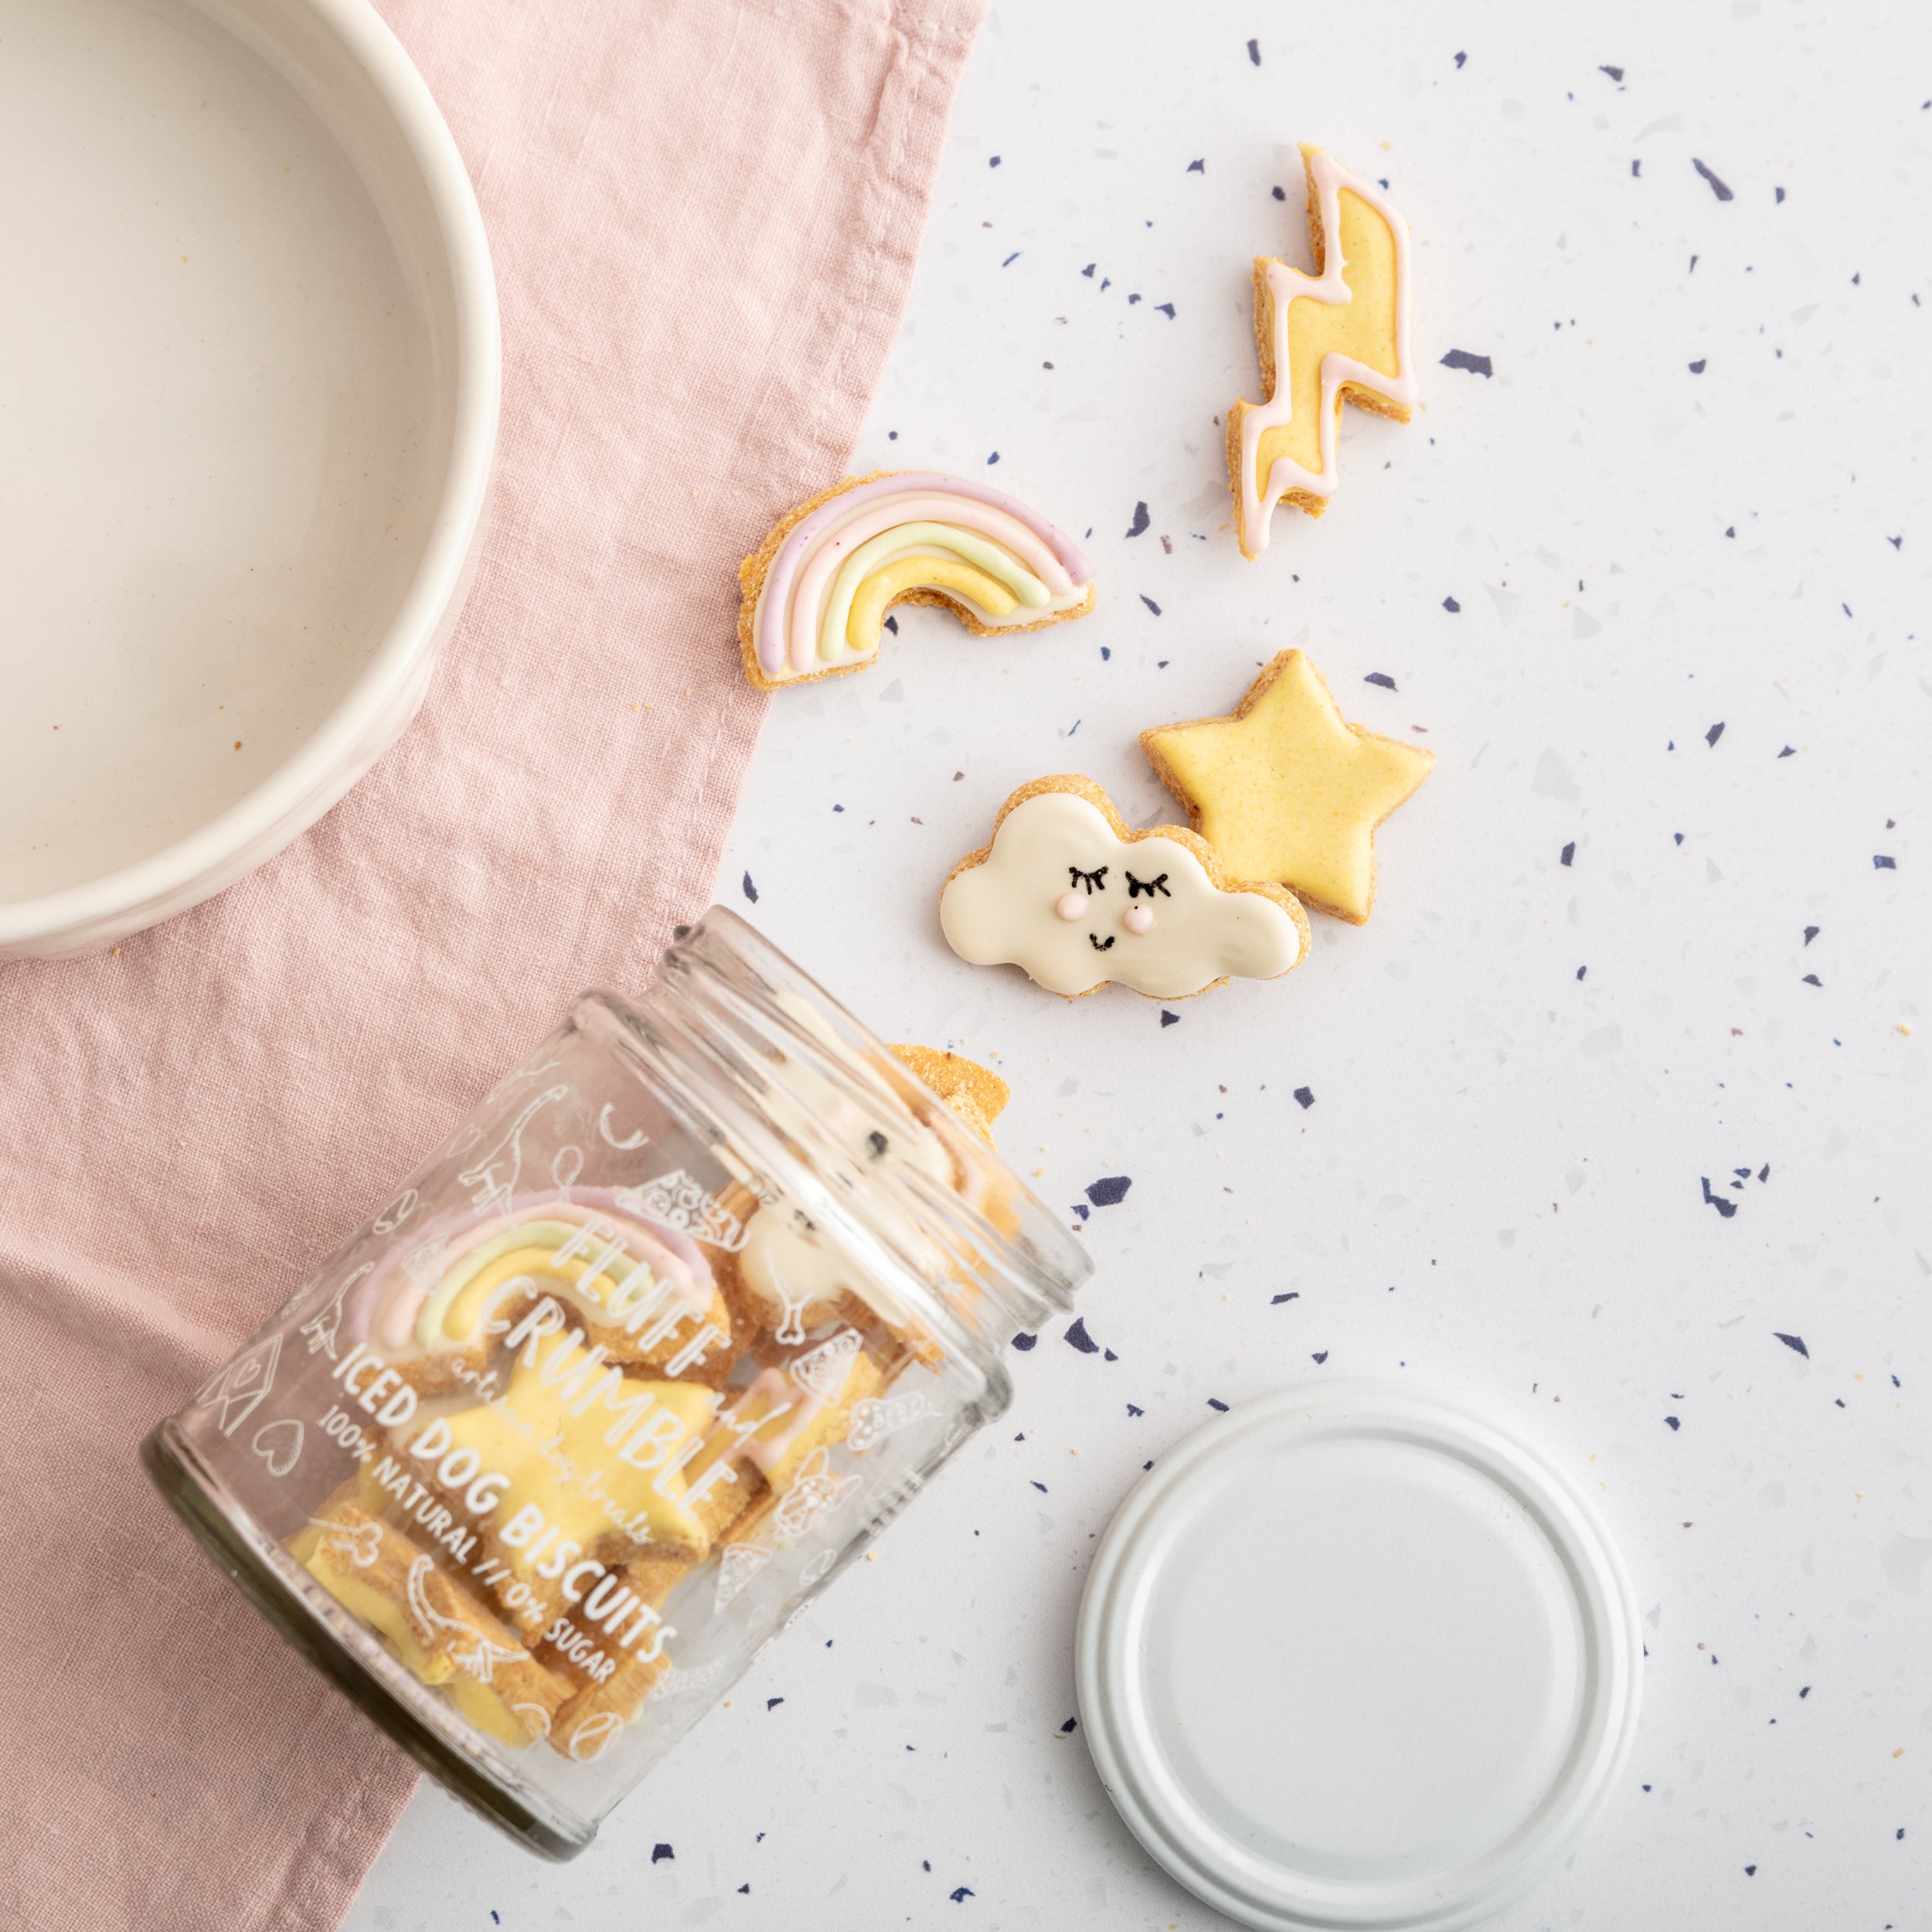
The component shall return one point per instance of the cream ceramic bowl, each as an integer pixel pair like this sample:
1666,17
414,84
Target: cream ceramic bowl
249,370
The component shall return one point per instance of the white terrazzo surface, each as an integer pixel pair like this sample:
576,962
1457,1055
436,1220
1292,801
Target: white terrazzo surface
1693,494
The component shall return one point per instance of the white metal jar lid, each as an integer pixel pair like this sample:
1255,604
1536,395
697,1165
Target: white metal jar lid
1353,1657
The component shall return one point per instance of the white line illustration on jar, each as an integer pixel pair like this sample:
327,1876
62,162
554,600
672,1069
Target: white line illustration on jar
536,1717
492,1180
678,1201
566,1165
821,1371
530,1070
677,1683
319,1330
737,1564
878,1417
610,1139
240,1387
359,1544
815,1491
816,1571
279,1444
398,1211
593,1733
472,1653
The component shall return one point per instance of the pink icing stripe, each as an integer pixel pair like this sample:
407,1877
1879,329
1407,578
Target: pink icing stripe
777,598
881,516
399,1299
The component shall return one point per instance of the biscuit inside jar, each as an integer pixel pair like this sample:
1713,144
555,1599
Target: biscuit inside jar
612,1428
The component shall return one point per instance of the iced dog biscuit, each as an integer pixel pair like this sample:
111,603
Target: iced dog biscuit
1341,334
1068,893
643,1293
428,1621
815,595
1286,789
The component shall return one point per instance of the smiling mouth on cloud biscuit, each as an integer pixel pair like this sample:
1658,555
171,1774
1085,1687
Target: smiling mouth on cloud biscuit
1068,893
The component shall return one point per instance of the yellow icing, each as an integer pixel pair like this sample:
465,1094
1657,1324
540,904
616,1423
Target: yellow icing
381,1612
466,1309
1286,790
1364,327
562,1462
917,573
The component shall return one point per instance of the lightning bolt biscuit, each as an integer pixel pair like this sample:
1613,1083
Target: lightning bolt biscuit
1340,334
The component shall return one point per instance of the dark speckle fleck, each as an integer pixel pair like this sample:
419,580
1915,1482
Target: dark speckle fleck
661,1851
1197,167
1794,1342
1697,367
1254,52
1716,732
1468,359
751,891
1812,979
1450,605
1280,194
1811,932
1072,1725
1569,852
1024,1342
1722,194
1750,1871
1110,1190
1166,309
1132,1411
1320,1356
1040,1486
1615,73
892,624
994,162
1306,1096
1215,1402
1726,1208
1077,1337
1169,1019
1140,520
1150,604
772,1703
1461,58
1294,1294
1671,1423
1381,678
964,1893
1883,861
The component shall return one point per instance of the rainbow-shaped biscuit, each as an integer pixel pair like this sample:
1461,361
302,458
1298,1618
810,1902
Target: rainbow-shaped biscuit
641,1288
815,595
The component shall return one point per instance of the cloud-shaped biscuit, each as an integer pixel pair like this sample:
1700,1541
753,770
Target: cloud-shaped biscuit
1066,892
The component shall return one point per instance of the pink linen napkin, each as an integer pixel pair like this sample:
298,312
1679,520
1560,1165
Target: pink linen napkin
705,215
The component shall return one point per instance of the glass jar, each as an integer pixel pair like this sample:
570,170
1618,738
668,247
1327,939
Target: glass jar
695,1302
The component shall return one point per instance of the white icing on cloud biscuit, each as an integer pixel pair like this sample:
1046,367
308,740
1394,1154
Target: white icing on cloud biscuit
1066,892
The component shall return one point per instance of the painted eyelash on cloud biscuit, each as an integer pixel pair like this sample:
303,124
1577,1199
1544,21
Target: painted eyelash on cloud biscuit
815,595
1005,905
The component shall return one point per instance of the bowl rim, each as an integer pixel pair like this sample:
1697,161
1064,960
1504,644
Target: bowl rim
272,814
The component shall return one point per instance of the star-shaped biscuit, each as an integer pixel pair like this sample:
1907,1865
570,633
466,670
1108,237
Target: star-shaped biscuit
1287,790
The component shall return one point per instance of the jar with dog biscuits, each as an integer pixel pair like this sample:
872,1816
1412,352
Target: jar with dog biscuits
705,1293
